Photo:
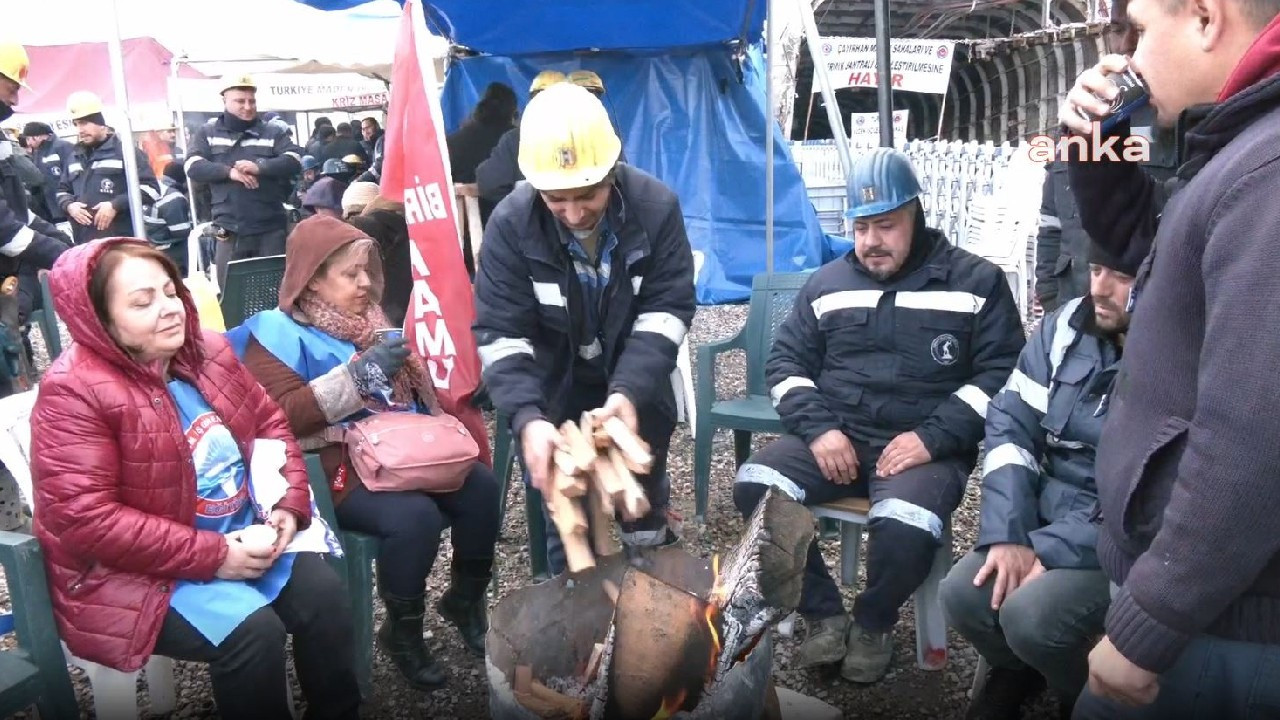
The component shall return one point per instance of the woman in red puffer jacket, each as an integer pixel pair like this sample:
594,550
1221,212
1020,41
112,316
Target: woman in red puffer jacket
151,526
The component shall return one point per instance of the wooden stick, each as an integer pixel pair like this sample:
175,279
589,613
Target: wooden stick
611,590
577,552
579,447
595,431
593,664
524,678
601,525
632,498
636,450
606,476
545,702
572,486
565,462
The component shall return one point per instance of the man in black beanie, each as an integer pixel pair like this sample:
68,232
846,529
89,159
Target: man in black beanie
51,154
1031,597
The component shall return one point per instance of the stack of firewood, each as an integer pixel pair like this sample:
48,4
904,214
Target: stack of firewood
594,476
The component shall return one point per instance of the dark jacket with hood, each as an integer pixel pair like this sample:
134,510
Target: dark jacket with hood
387,227
530,321
1042,434
1188,462
923,350
114,477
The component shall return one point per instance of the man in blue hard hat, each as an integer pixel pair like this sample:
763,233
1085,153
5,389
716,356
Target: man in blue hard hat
881,375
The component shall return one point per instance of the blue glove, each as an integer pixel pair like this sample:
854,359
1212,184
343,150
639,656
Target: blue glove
380,363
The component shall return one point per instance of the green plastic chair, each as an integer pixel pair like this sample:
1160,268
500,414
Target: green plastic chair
48,319
771,299
504,457
252,285
355,569
35,673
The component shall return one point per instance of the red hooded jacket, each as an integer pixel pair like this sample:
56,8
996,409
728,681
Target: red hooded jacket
114,478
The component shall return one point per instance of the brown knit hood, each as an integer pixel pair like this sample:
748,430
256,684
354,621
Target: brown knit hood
312,242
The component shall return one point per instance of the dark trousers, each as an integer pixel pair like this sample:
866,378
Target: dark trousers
241,247
410,523
905,527
1050,624
1212,679
248,668
647,531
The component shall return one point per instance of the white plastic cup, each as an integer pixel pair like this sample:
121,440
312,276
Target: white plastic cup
259,538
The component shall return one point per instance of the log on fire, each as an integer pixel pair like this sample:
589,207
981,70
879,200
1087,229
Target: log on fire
760,578
664,644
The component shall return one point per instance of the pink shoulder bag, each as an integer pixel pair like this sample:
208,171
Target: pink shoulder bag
408,451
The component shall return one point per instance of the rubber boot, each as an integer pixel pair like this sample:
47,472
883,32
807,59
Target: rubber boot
463,604
400,637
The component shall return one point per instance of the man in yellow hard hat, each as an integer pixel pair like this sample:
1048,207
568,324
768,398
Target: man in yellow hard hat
94,191
27,243
498,175
249,164
584,293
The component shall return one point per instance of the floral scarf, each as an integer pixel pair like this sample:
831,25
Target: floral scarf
358,330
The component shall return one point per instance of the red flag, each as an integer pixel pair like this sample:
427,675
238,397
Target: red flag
438,324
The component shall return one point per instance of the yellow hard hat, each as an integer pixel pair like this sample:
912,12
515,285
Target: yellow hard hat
588,80
546,79
566,139
243,80
14,63
83,103
353,159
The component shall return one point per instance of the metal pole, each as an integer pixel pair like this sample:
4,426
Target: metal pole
175,98
824,81
768,137
942,112
884,73
115,51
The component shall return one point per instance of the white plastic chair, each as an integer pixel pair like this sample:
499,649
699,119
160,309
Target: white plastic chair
931,623
115,693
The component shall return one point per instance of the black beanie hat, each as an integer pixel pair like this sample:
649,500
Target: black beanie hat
32,129
1127,262
95,118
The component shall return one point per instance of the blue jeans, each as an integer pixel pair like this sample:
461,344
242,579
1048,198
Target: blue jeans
1214,678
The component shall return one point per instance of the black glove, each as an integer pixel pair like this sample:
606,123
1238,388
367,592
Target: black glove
379,363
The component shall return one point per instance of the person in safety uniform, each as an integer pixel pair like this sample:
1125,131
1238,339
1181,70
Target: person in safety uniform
169,222
882,374
52,155
1032,597
249,165
584,293
28,243
94,190
325,197
498,175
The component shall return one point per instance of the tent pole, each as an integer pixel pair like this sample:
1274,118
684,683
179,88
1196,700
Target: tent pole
175,98
115,51
814,41
884,73
768,136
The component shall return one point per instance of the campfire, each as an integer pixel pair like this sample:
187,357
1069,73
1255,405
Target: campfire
676,637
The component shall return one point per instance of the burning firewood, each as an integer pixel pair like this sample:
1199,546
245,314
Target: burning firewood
760,581
545,702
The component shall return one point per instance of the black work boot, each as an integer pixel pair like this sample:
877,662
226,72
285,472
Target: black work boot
400,637
1004,694
463,604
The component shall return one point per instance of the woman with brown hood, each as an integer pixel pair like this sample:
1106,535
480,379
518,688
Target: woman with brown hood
320,356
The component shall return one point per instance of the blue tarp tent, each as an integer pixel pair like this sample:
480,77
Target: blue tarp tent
686,88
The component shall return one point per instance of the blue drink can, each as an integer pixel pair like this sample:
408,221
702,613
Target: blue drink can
1132,96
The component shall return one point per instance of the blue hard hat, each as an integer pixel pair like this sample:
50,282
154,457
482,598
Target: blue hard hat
333,166
309,163
881,180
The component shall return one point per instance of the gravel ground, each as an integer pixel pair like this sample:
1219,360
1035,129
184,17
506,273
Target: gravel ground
907,692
